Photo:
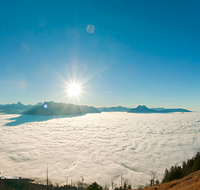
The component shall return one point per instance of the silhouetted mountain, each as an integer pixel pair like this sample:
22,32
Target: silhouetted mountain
175,110
144,109
157,109
51,108
101,108
14,108
39,104
115,109
4,106
10,111
17,106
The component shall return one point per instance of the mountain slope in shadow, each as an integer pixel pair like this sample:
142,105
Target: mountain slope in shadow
115,109
144,109
51,108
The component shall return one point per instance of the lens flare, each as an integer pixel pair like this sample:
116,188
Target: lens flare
45,106
90,28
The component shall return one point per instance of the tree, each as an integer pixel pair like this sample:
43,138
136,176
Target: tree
166,176
184,168
126,184
153,177
177,172
95,186
79,184
196,165
141,186
157,182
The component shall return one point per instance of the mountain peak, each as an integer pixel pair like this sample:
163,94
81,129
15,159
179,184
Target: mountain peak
19,103
142,107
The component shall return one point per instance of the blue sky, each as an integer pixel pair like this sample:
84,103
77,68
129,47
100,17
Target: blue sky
140,52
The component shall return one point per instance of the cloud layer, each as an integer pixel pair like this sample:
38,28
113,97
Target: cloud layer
98,146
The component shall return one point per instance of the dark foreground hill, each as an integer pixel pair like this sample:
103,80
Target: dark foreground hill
144,109
52,108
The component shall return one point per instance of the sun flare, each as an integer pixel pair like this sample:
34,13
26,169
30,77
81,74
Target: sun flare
74,89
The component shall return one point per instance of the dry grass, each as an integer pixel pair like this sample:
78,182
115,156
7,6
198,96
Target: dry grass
190,182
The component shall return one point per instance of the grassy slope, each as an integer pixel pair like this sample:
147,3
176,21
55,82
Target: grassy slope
190,182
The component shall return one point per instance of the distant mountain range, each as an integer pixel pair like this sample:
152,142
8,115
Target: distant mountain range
19,105
115,109
144,109
51,108
14,108
71,109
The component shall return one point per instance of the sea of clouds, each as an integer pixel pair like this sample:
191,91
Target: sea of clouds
99,147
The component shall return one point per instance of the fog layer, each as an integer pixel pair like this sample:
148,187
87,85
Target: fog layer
97,146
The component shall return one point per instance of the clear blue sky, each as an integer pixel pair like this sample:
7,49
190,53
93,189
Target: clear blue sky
141,52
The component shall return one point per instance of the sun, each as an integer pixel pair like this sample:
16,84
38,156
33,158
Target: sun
74,89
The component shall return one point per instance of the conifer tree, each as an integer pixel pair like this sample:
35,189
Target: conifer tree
196,165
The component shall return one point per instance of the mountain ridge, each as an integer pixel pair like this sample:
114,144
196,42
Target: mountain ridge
13,108
52,108
144,109
19,108
115,109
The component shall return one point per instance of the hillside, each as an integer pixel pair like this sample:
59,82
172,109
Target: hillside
14,108
144,109
18,106
190,182
51,108
115,109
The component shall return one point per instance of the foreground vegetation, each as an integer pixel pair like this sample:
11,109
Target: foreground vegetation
178,172
190,182
26,184
178,177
